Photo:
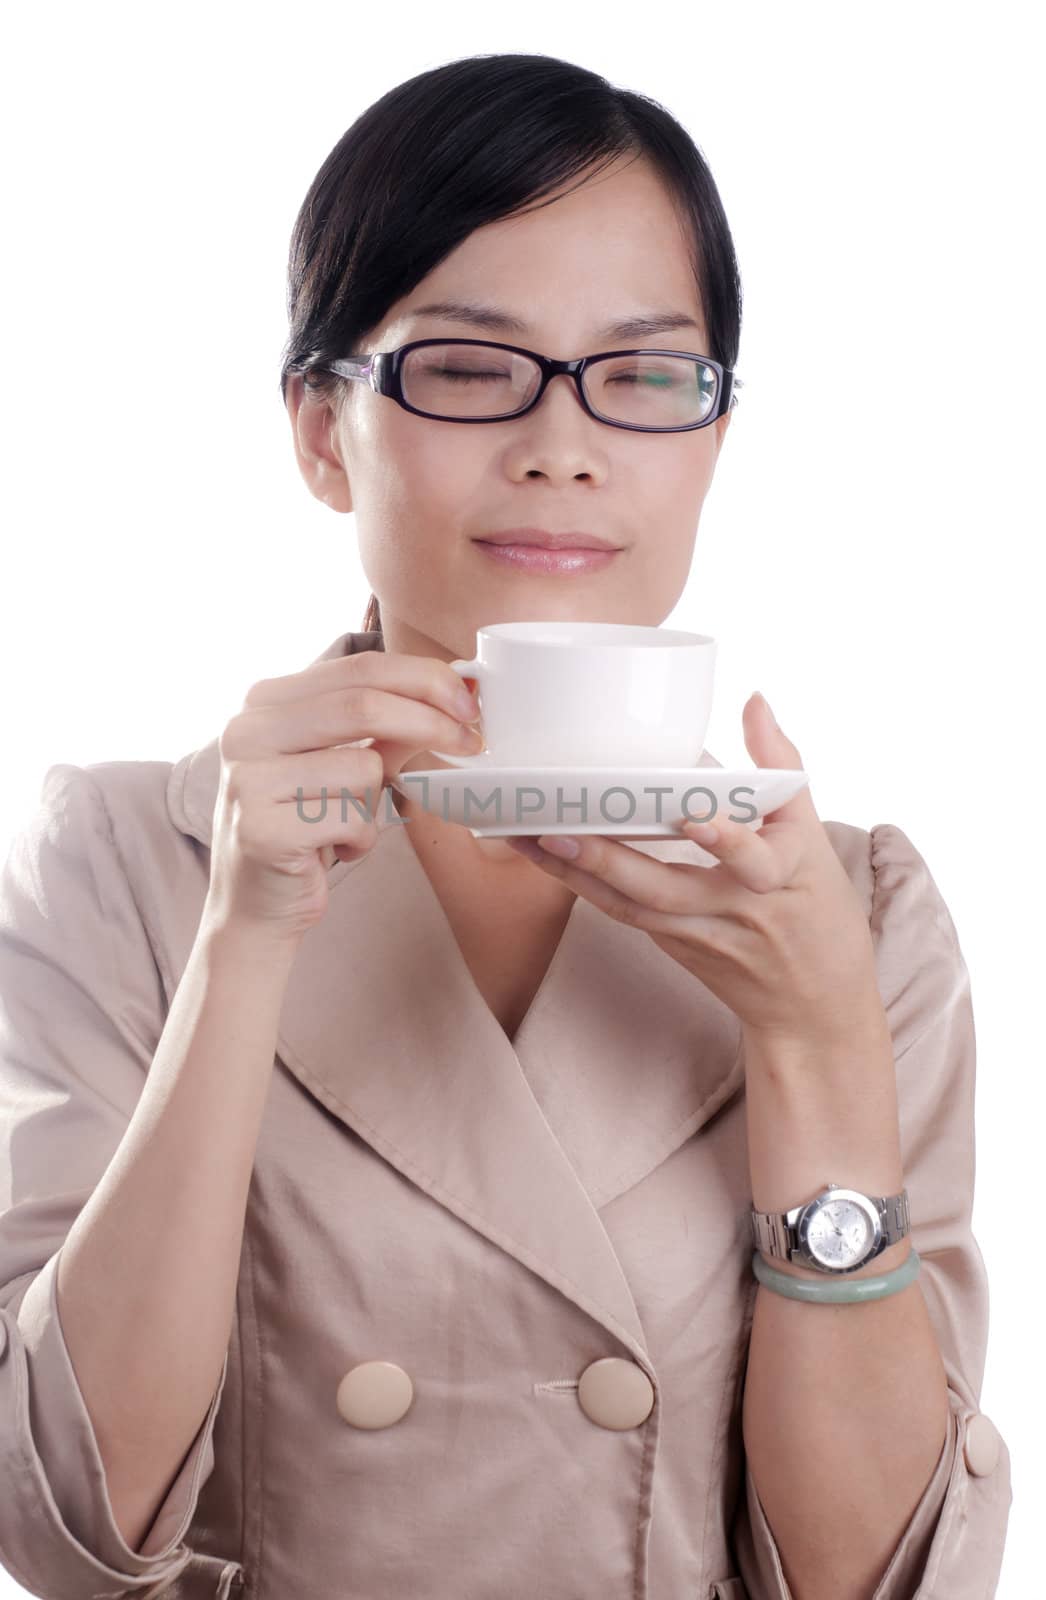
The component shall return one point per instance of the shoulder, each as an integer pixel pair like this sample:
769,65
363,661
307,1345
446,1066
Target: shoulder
889,873
124,801
93,801
102,850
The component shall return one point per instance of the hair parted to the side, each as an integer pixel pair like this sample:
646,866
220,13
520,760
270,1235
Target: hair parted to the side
454,148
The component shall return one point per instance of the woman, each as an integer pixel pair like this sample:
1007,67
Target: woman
380,1215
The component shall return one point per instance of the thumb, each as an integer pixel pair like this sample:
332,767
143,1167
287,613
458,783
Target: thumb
770,746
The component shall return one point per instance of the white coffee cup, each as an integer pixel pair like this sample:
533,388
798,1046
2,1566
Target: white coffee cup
589,694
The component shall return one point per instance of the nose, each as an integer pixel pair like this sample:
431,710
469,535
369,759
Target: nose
569,380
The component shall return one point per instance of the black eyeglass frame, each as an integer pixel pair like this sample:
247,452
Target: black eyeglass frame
383,371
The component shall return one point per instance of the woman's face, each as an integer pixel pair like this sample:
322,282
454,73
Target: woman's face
425,491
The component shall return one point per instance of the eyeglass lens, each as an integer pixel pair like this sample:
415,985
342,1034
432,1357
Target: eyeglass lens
653,390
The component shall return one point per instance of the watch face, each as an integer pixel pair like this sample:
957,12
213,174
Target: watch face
839,1232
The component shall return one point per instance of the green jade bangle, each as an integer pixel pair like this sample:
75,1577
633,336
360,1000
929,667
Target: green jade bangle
835,1293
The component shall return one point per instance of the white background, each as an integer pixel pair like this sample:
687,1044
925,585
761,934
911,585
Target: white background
870,554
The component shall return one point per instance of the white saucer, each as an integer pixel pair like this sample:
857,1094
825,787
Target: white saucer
537,800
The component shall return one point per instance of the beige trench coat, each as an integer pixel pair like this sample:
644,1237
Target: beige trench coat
491,1219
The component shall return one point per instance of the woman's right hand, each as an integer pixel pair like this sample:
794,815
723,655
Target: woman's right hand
269,864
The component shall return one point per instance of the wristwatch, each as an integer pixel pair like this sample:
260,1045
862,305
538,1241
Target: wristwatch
839,1230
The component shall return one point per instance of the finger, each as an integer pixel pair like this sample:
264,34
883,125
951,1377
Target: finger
703,914
599,892
422,678
760,860
770,746
616,877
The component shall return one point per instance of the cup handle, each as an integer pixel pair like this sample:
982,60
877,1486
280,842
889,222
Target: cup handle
467,669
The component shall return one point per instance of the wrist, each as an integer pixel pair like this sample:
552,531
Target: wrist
230,940
821,1110
848,1030
895,1255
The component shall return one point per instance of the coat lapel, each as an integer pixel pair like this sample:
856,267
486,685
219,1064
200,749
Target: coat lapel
620,1059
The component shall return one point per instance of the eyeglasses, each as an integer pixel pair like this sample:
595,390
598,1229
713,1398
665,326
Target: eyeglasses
475,380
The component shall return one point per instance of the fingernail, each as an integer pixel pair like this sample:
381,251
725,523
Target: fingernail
703,832
558,845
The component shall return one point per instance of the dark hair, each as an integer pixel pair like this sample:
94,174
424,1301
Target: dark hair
457,147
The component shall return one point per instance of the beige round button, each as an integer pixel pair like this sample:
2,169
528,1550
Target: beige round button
982,1445
615,1393
375,1394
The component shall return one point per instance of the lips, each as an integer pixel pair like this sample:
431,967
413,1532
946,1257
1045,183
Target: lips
540,558
544,539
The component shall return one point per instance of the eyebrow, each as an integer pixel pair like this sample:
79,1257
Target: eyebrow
639,326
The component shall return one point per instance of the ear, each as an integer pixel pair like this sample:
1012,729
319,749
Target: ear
721,424
314,429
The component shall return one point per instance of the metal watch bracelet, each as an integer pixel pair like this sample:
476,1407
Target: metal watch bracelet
779,1237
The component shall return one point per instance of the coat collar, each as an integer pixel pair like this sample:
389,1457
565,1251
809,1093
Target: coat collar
621,1058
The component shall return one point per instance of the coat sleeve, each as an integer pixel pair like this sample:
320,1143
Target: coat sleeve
81,1011
952,1547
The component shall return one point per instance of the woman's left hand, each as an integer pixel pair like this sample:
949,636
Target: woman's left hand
776,929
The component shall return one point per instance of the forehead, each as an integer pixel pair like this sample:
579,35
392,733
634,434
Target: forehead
609,259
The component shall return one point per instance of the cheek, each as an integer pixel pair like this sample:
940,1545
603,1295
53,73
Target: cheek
414,501
674,493
671,499
425,465
690,472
